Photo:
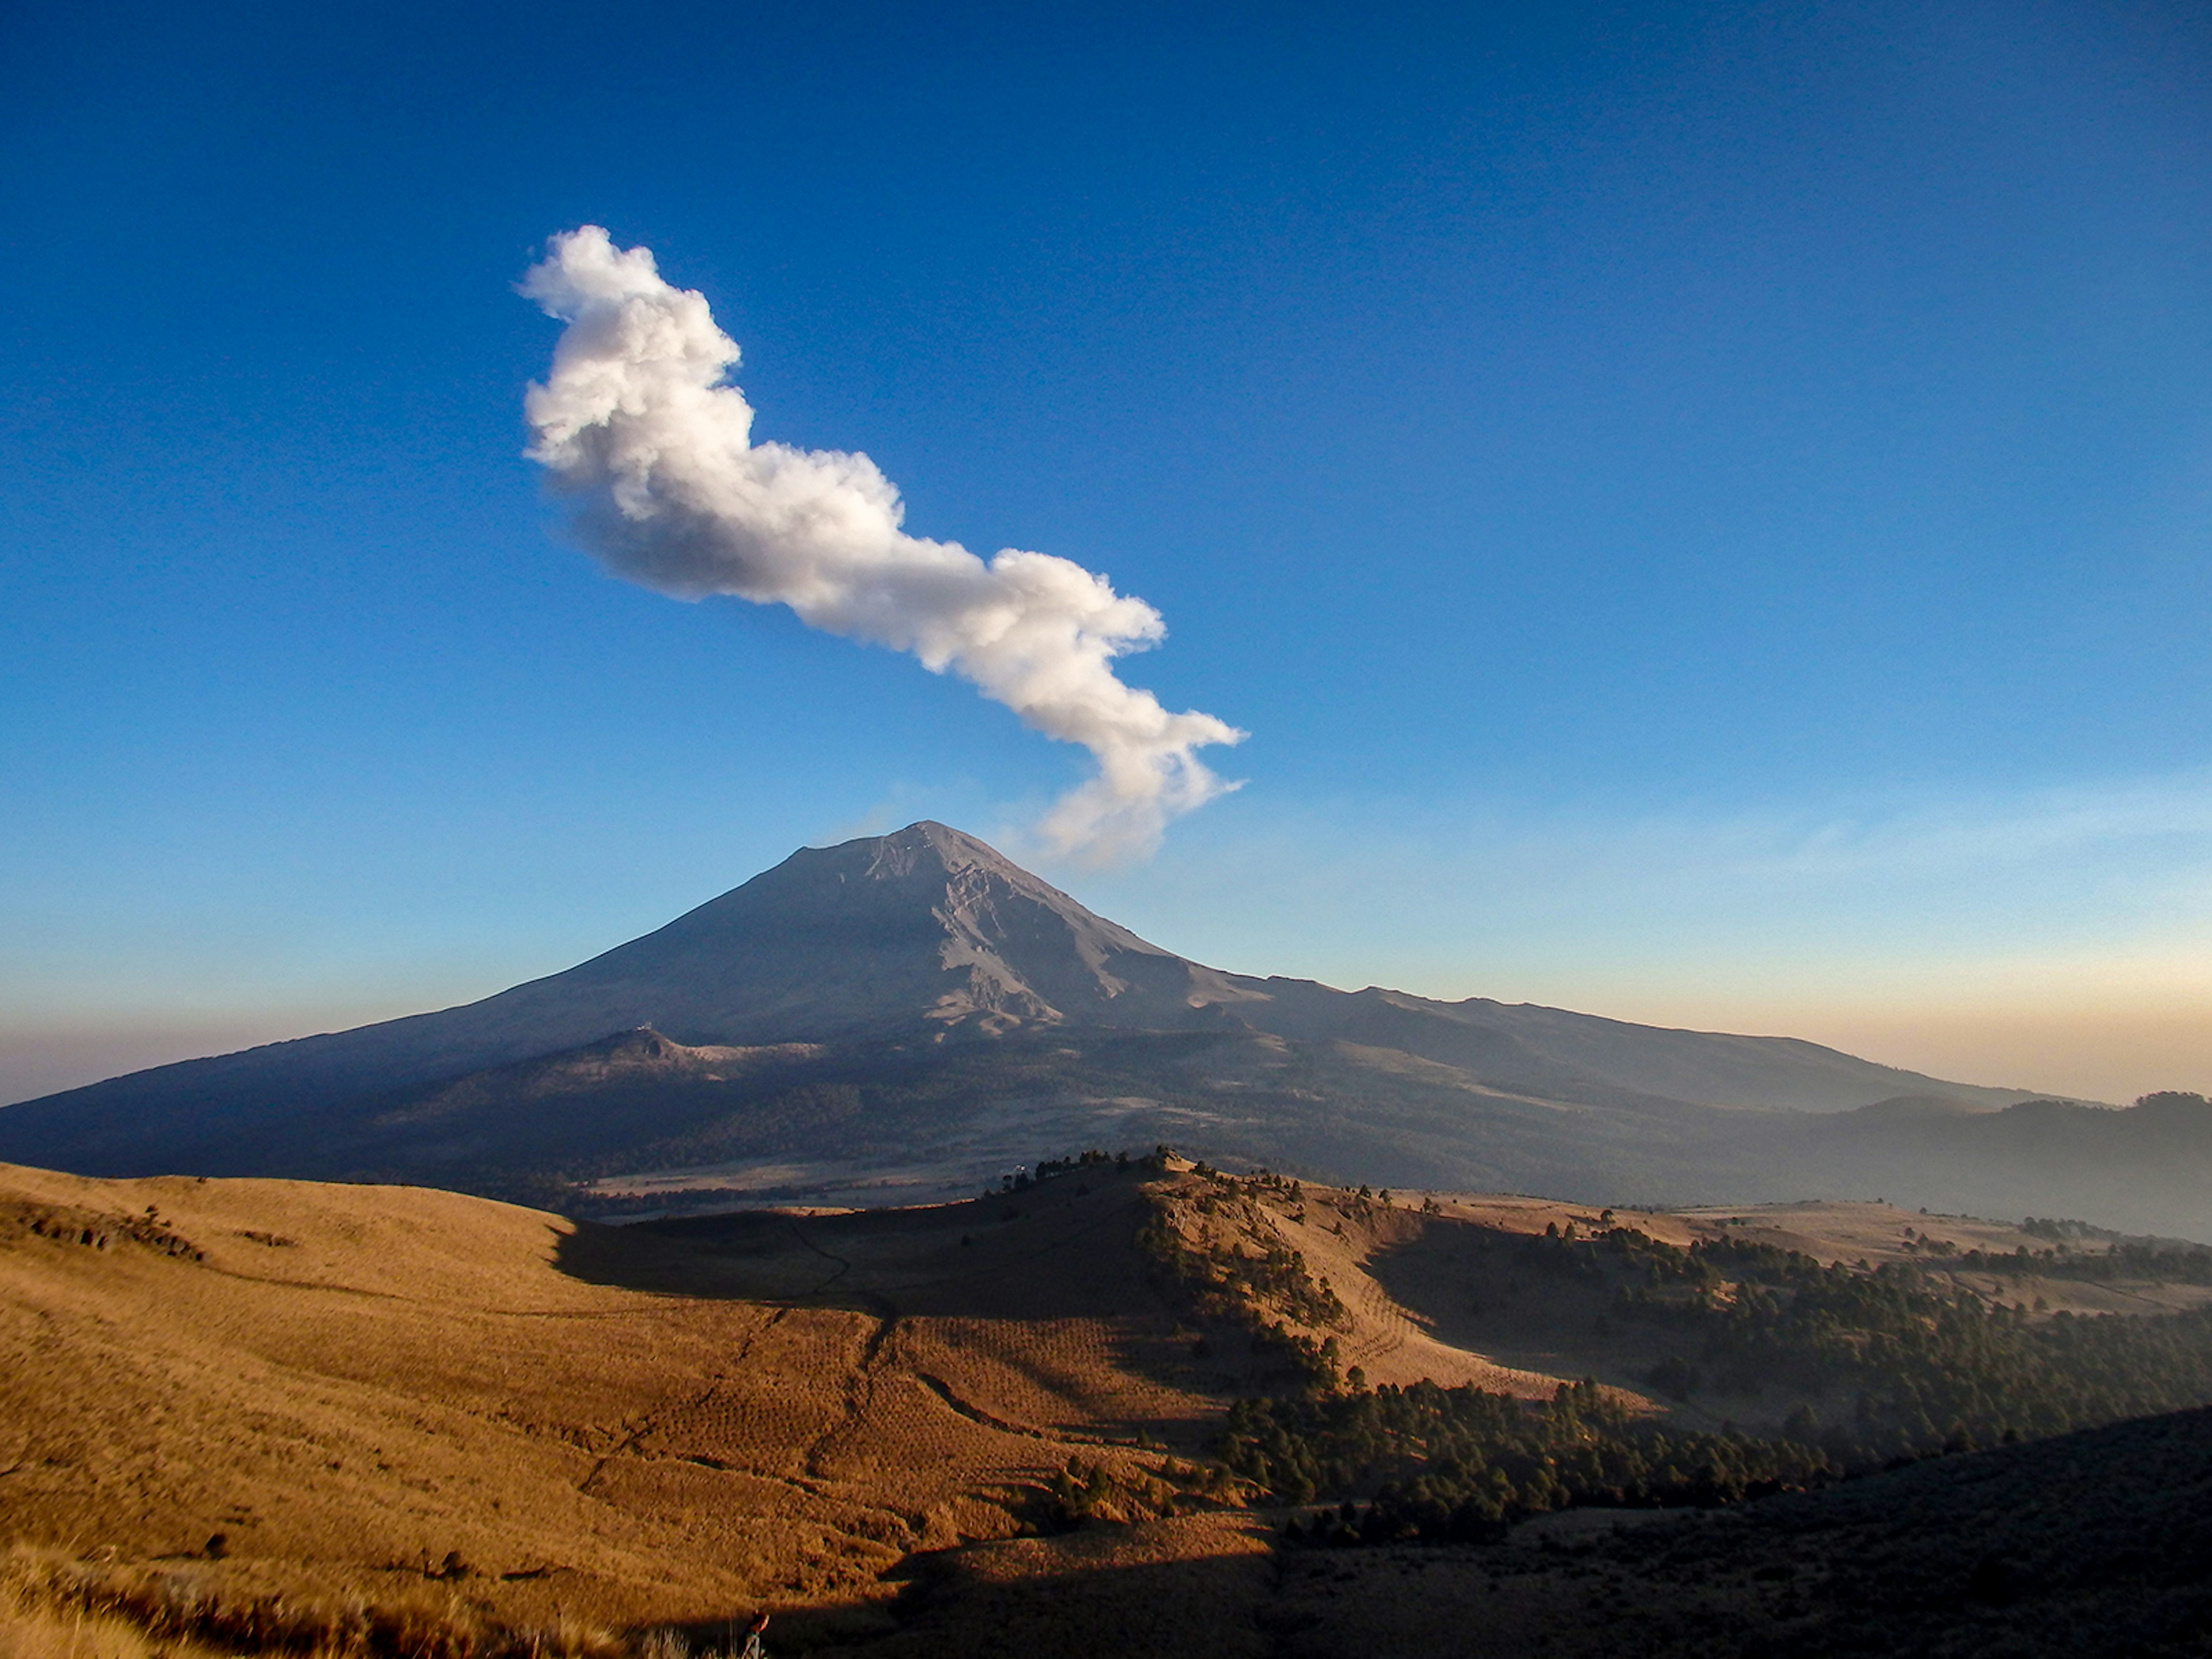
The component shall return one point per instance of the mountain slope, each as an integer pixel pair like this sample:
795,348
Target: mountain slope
919,934
916,1009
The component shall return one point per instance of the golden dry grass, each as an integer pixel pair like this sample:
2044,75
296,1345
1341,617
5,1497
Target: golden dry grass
376,1391
489,1420
39,1632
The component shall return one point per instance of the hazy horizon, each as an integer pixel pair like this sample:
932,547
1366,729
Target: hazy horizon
2098,1052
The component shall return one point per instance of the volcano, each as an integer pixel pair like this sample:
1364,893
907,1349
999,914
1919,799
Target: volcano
916,1008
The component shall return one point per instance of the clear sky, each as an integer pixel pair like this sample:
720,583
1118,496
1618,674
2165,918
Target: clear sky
1704,510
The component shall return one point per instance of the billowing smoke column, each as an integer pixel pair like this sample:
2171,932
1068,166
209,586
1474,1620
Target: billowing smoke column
637,422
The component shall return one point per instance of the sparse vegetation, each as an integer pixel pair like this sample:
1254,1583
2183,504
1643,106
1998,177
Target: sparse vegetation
1917,1370
1088,1490
2162,1261
53,1606
93,1228
1456,1463
1920,1371
1210,1246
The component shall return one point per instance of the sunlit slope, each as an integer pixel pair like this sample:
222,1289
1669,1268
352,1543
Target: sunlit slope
358,1387
1516,1295
388,1392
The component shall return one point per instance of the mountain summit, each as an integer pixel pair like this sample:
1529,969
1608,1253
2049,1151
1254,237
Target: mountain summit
926,924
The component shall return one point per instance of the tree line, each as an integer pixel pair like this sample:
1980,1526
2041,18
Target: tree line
1903,1368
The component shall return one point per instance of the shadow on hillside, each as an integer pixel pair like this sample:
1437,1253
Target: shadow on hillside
1004,1277
1476,1288
1045,1253
2097,1543
1190,1588
978,1603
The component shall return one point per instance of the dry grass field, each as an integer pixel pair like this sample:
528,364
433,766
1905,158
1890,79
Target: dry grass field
396,1395
354,1404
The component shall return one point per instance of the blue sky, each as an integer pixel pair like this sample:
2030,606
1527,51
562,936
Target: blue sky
1704,511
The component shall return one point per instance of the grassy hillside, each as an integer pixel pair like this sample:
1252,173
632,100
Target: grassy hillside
401,1417
396,1393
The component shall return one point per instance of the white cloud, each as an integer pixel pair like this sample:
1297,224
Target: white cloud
637,422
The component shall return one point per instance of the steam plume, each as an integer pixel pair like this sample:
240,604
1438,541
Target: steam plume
635,420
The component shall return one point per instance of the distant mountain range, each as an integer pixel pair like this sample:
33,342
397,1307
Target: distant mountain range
913,1012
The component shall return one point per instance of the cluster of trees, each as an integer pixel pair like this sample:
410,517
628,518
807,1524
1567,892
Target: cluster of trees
2058,1230
1090,1161
2164,1261
1242,1274
1091,1158
2158,1263
1917,1369
1903,1368
1083,1491
1459,1463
